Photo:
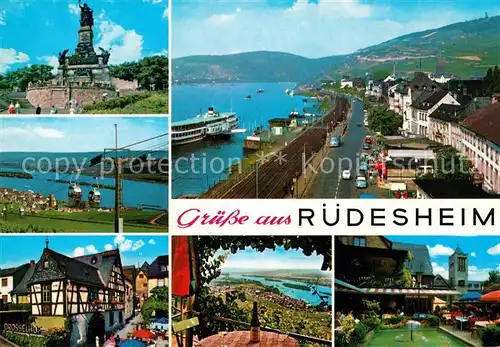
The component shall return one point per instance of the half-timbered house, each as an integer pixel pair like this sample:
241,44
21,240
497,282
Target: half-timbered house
77,288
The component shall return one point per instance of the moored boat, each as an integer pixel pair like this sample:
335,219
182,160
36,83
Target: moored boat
211,124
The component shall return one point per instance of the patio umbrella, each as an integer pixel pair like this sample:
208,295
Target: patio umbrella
143,334
491,296
132,343
470,297
185,279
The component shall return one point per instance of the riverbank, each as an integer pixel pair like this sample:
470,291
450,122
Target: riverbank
30,212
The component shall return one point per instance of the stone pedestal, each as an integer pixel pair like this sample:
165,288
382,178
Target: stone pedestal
85,47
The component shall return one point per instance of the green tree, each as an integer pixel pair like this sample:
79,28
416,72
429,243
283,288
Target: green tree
23,76
158,301
381,74
385,121
148,71
492,81
451,165
493,282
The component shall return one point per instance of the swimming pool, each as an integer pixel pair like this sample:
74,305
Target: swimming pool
423,337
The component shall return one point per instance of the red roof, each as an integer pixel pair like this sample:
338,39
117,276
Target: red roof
486,123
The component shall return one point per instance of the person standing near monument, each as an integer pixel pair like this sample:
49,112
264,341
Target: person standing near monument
18,108
38,109
11,108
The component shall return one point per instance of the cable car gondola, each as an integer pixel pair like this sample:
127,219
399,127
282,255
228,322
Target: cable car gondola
74,195
94,197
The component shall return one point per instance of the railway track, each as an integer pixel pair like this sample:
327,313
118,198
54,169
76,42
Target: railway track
272,177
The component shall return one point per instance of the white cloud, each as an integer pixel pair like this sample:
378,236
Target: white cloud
125,245
9,56
78,252
164,52
473,254
137,244
30,132
495,250
50,60
49,133
439,250
439,270
125,45
90,249
318,28
478,274
2,17
74,9
152,242
108,247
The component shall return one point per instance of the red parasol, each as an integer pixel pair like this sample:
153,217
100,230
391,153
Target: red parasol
185,279
143,334
491,296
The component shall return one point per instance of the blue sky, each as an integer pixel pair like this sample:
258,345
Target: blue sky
134,249
312,28
483,251
34,31
272,260
67,134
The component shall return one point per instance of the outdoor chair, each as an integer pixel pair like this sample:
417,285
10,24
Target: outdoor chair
179,327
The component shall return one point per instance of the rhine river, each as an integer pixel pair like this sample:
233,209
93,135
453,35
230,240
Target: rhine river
135,193
305,295
195,176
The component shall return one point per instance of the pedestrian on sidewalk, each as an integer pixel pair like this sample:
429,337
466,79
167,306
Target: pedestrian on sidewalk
11,109
18,108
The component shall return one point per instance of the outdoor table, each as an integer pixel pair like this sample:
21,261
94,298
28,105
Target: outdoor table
462,320
242,338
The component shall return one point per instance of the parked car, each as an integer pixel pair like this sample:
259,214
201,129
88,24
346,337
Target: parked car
346,175
361,182
358,124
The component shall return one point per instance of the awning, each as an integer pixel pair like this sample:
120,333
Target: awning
472,296
405,291
344,285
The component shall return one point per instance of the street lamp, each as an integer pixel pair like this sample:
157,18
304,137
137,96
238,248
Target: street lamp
419,284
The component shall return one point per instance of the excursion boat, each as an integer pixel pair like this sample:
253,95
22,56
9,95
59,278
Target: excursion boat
211,124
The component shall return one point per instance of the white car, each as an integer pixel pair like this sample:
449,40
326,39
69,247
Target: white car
346,175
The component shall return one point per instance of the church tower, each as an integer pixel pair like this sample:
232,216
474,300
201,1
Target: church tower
458,274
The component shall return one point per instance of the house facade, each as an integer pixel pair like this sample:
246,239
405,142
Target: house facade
481,144
444,125
129,299
425,105
9,279
158,273
77,288
141,283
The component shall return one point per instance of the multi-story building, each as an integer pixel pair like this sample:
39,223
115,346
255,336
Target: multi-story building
424,105
77,288
9,279
20,294
158,273
444,125
141,284
481,144
129,299
458,270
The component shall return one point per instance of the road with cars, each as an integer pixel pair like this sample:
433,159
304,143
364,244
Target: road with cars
329,182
